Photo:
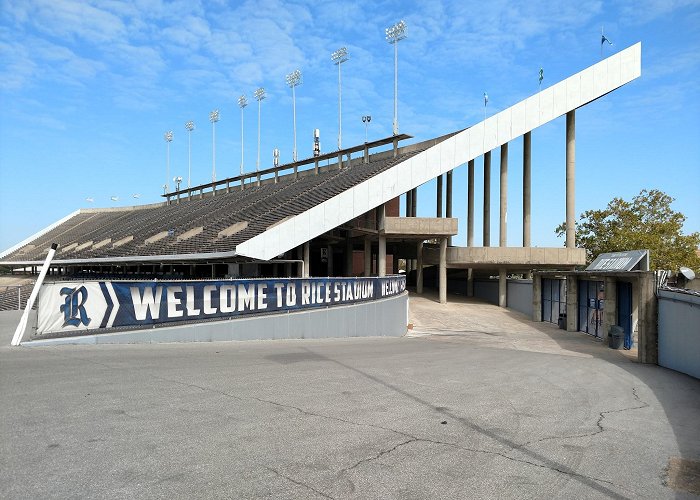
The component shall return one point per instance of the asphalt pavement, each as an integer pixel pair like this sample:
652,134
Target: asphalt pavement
476,402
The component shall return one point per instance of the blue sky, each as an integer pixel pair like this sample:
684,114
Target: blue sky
88,88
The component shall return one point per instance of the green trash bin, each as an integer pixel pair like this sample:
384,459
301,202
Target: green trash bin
616,336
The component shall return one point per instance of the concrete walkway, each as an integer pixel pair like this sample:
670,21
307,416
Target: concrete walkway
477,402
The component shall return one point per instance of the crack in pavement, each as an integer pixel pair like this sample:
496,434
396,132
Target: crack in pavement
299,483
599,423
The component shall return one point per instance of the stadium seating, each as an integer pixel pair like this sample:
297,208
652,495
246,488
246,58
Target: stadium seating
153,230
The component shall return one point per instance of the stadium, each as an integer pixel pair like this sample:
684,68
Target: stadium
329,216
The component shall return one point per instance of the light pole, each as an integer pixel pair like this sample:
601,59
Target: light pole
294,79
339,57
190,127
394,34
168,139
213,118
242,103
366,119
259,95
177,180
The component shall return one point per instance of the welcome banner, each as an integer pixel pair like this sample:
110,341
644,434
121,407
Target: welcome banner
84,307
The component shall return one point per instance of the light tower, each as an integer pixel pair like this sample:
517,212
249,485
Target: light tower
394,34
339,57
294,79
168,136
366,119
242,103
213,118
259,95
190,127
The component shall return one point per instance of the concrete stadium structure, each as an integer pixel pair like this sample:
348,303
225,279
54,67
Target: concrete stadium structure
340,218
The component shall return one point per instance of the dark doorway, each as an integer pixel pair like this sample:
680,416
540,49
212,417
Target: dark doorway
624,311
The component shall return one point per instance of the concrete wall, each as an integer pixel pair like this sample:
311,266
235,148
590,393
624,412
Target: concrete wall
679,332
519,296
385,317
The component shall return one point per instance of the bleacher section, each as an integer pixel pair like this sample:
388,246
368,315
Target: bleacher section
159,229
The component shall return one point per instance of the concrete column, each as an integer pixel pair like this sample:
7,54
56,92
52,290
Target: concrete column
487,199
503,219
648,344
470,204
537,298
409,204
448,201
571,303
470,282
443,271
381,257
570,179
527,186
348,256
419,268
502,288
307,258
609,307
414,201
368,257
438,197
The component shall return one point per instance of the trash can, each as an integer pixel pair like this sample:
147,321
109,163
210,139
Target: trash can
616,336
562,321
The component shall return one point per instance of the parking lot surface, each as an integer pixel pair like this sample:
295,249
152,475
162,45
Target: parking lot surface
475,402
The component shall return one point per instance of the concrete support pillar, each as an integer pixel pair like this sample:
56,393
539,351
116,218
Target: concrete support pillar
419,268
438,197
470,204
448,201
610,307
537,298
570,179
381,256
443,271
414,201
470,282
487,200
348,256
648,346
502,288
368,257
571,303
527,186
503,218
409,204
307,258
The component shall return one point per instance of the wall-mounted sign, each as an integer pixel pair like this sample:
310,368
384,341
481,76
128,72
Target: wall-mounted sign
84,307
632,260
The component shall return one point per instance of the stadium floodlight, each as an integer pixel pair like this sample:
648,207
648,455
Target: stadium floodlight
177,180
213,118
366,119
259,95
136,195
242,103
394,34
90,199
294,79
190,127
339,57
168,136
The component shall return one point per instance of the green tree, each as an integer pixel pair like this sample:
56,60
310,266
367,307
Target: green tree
646,223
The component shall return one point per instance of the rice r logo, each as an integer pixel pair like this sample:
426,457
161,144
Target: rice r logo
73,308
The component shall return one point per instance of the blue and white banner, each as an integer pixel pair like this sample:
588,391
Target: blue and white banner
82,307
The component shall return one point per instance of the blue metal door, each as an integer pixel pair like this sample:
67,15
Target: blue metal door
591,300
624,311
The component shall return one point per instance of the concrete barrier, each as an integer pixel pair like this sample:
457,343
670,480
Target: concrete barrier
385,317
